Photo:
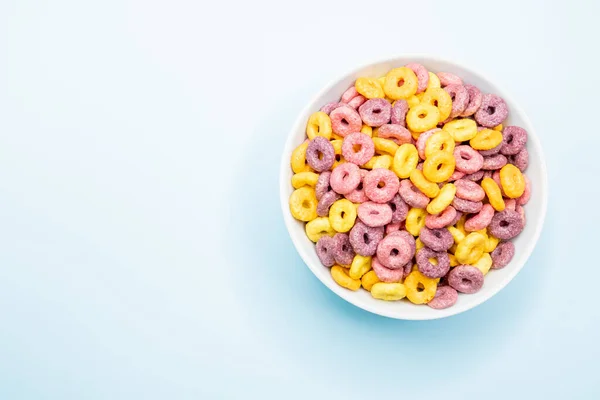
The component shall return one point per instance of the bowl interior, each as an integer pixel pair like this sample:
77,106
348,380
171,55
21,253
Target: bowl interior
496,279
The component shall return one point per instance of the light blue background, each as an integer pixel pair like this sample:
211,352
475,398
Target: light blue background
142,249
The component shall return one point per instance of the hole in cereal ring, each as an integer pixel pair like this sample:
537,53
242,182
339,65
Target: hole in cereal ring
422,115
439,166
420,287
504,224
393,207
366,238
344,247
305,204
381,184
435,103
343,214
394,252
437,234
400,82
320,155
452,96
373,212
490,110
376,110
344,122
465,281
465,156
509,139
359,187
357,147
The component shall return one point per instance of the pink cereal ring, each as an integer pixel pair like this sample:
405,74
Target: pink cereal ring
345,178
375,112
460,99
394,251
422,141
380,185
329,107
455,220
520,160
446,79
345,120
465,279
466,206
445,296
349,94
526,193
358,195
386,274
358,148
502,255
468,160
391,227
397,133
399,110
519,208
477,176
456,175
422,76
442,219
510,204
357,102
399,209
492,112
475,98
411,195
469,190
481,220
375,214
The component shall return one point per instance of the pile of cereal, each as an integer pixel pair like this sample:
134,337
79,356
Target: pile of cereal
412,155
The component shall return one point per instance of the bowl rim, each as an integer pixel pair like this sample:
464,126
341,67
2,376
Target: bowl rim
346,294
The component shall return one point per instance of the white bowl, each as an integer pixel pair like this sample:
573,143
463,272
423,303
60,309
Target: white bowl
495,279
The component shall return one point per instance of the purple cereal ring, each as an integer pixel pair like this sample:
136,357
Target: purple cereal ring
492,151
481,220
427,268
465,279
469,190
422,141
357,102
502,255
358,195
381,185
441,220
445,296
394,251
526,193
514,139
519,208
345,120
506,224
447,78
397,133
375,112
436,239
392,227
349,94
487,174
358,148
320,154
329,107
492,112
476,176
411,195
467,159
422,76
494,162
375,214
475,98
322,185
399,209
325,246
345,178
466,206
364,239
342,249
460,99
386,274
399,110
510,204
520,160
459,214
456,175
325,202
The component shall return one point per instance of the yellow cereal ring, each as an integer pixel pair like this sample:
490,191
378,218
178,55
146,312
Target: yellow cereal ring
457,234
368,87
367,130
369,279
341,277
342,215
420,96
439,141
491,243
512,181
303,204
486,139
470,248
415,220
419,288
388,291
418,244
335,136
439,166
298,160
453,260
304,179
440,99
484,263
405,160
428,188
461,129
381,81
422,117
452,249
442,200
412,101
337,148
319,124
384,161
360,266
415,135
385,146
484,233
434,81
492,190
318,227
400,76
498,128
